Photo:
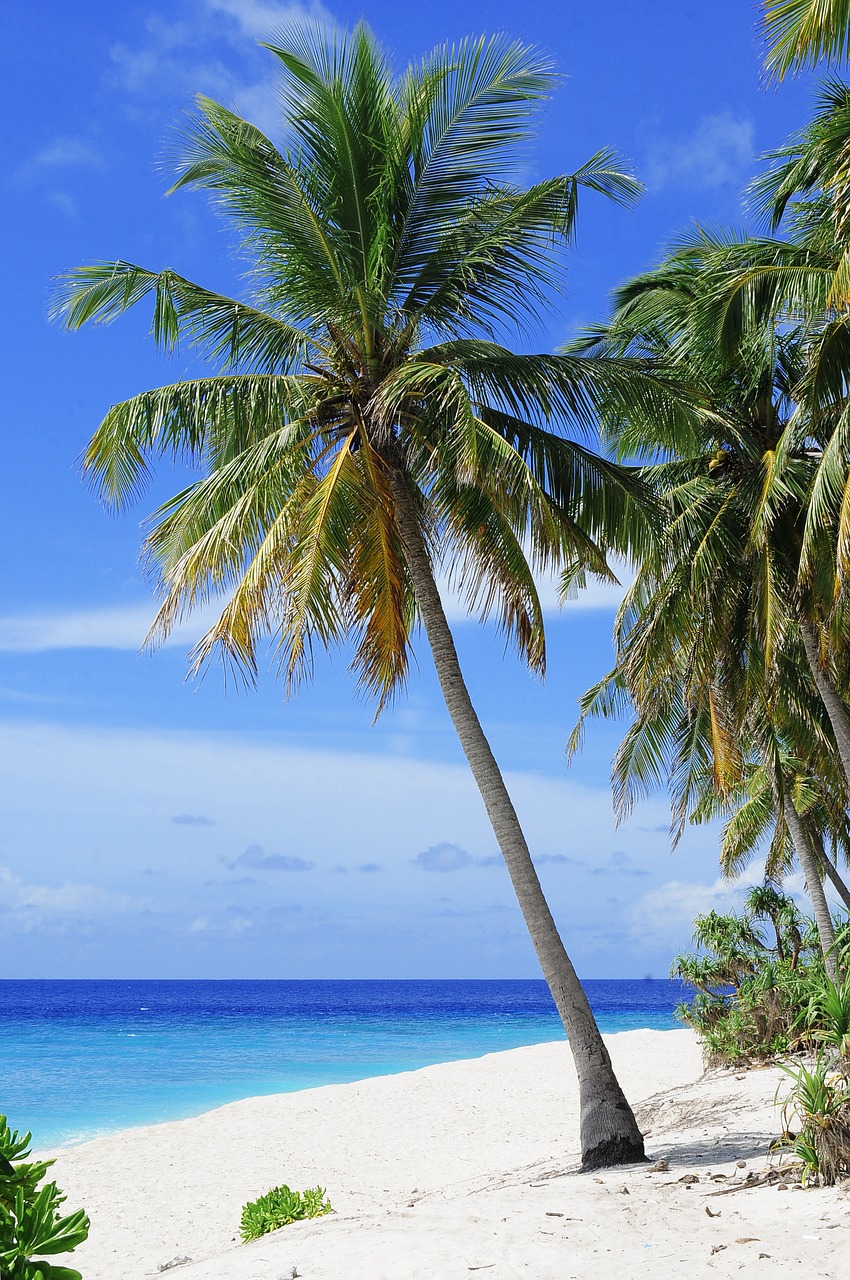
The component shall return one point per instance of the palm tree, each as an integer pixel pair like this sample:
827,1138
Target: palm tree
711,639
366,425
802,32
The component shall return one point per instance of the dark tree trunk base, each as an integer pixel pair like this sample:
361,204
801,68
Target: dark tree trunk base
613,1151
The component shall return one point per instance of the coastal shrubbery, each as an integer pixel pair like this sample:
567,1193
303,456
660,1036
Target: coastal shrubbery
818,1106
763,992
279,1207
30,1222
761,985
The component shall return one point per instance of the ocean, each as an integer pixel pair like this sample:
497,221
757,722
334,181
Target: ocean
82,1058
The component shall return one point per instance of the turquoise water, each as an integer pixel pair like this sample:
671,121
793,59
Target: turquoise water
82,1058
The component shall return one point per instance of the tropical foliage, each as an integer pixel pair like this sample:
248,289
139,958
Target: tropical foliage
761,986
30,1220
803,32
816,1122
718,640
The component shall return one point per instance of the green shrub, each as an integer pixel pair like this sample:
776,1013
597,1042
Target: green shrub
279,1207
761,987
29,1219
819,1105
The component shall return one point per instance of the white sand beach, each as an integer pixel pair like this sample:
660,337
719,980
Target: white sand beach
464,1168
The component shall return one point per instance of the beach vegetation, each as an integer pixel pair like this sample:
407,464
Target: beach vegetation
816,1121
280,1206
750,981
365,428
761,985
31,1223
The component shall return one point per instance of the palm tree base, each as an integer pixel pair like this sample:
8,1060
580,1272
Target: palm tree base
613,1151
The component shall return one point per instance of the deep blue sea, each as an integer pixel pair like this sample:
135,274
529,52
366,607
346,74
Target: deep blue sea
82,1058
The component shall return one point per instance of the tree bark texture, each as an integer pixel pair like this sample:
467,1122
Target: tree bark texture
608,1129
839,717
829,868
814,886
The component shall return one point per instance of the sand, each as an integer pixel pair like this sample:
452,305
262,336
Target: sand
460,1169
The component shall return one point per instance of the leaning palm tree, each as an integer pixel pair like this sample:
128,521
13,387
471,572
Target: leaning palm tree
365,426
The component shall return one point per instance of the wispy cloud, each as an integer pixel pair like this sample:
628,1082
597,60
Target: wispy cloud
259,18
110,627
665,915
209,47
234,928
25,907
595,596
256,858
717,153
192,820
60,154
125,626
449,857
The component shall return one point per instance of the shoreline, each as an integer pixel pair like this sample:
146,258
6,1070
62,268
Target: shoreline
151,1052
54,1148
461,1166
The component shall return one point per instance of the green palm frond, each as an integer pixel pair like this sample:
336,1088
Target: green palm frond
388,239
802,32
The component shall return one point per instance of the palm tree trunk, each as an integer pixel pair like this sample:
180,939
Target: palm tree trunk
839,717
608,1129
814,886
829,868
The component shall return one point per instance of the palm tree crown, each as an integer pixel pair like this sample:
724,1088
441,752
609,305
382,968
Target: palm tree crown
388,248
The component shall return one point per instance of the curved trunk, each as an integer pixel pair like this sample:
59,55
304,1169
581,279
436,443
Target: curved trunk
839,717
609,1131
814,887
830,869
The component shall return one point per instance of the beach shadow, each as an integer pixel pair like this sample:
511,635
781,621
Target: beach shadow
711,1149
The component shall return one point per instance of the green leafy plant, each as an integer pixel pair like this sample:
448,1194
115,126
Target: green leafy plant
279,1207
756,996
30,1222
819,1104
826,1017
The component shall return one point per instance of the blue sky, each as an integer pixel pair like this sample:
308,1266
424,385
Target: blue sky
154,827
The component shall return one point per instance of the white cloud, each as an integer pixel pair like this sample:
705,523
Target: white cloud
444,857
213,51
30,906
665,915
596,595
260,18
67,153
234,928
256,858
719,151
100,801
117,627
125,626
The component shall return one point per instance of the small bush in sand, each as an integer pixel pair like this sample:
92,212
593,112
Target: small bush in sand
279,1207
29,1219
819,1104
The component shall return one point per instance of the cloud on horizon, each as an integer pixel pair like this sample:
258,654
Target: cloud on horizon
25,907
